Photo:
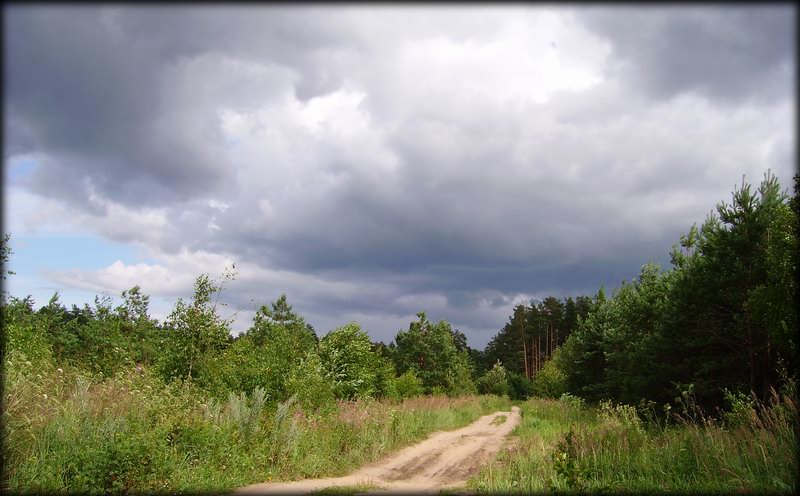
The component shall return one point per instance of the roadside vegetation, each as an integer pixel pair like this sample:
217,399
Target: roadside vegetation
72,432
682,379
565,445
104,398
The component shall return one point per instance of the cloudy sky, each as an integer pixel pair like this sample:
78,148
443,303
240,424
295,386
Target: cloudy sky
375,161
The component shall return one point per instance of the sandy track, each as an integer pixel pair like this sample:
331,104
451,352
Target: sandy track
444,460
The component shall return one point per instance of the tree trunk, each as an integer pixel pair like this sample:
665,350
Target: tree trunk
524,351
539,350
525,357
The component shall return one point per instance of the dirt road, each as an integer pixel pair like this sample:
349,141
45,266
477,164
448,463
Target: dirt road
443,461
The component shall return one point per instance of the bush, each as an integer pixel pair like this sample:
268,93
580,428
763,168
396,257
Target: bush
459,377
741,409
307,383
550,382
24,333
347,359
408,385
519,386
494,381
573,402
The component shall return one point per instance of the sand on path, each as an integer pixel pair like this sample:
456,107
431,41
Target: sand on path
443,461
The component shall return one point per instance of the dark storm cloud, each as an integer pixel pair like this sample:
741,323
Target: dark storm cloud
91,100
725,52
373,163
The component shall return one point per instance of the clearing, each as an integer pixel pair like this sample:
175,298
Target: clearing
444,461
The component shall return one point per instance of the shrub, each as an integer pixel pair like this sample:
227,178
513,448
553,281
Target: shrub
347,359
573,402
308,385
408,385
494,381
619,415
741,409
459,377
519,386
549,382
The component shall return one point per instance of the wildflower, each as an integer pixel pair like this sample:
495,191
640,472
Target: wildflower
45,396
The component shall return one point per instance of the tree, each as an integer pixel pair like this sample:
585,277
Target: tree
348,361
308,383
136,325
408,385
430,351
721,318
582,358
550,381
494,381
265,355
733,298
280,315
194,329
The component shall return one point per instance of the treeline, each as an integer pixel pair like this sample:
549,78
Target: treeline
280,352
533,333
722,319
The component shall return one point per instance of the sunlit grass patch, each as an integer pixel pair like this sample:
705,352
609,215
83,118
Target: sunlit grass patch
67,431
563,448
345,490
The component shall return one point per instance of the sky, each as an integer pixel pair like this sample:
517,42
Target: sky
372,162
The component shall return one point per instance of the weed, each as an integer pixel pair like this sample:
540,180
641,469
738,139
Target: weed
565,462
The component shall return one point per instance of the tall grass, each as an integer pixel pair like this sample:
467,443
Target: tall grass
68,432
525,465
610,448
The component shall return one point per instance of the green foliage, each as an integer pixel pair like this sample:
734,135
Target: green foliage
24,333
494,381
540,327
430,351
565,462
459,376
266,355
408,385
719,319
142,335
240,367
519,387
564,446
582,358
385,376
66,432
194,330
281,318
311,388
741,410
550,382
348,360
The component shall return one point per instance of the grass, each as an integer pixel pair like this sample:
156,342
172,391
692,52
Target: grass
68,432
564,446
345,490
